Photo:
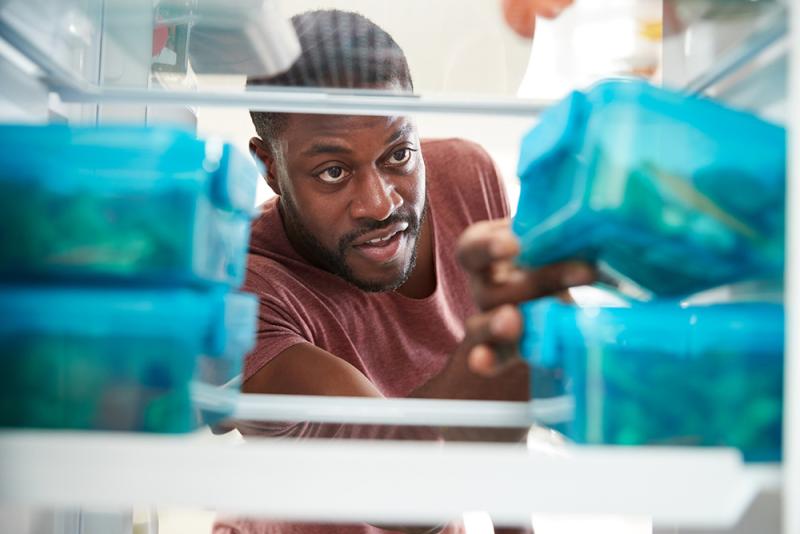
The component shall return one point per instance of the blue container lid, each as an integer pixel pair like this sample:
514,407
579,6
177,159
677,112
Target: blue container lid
700,134
212,323
114,158
596,117
564,127
559,130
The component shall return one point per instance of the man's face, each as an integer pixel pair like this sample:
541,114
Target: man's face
353,195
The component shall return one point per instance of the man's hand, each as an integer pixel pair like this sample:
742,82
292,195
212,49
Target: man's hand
520,15
487,251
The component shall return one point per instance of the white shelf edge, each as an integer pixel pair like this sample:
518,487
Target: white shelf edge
319,101
378,481
428,412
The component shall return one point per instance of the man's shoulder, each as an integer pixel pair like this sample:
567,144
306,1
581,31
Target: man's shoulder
436,150
282,278
273,266
464,174
269,248
457,162
270,275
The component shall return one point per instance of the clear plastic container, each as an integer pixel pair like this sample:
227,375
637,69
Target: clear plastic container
117,359
674,194
661,373
67,32
250,37
149,205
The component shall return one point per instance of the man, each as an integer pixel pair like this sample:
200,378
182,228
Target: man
355,259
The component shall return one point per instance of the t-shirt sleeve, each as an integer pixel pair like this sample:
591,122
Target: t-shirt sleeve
278,328
493,188
468,177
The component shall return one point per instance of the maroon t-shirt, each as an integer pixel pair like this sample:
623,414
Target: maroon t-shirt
397,342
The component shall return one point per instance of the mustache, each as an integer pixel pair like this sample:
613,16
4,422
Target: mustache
372,225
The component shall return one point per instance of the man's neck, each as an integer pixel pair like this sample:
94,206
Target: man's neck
422,282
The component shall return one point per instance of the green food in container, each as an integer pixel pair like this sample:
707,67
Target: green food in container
115,359
149,205
662,373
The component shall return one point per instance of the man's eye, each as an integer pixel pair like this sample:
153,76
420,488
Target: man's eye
400,156
332,175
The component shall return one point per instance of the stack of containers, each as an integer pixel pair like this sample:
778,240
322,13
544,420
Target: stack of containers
673,196
120,252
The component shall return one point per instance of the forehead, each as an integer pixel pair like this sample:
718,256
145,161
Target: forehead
304,130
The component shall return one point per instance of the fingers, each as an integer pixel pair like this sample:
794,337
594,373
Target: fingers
501,325
485,243
487,251
482,361
517,285
491,338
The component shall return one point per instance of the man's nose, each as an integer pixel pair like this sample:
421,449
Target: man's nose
375,197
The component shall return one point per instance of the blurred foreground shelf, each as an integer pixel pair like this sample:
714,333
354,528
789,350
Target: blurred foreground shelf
419,483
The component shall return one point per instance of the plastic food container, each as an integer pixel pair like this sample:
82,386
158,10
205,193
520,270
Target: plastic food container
68,31
674,194
247,37
116,359
154,206
659,373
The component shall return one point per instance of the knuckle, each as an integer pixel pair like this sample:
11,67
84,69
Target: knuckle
474,324
470,233
464,249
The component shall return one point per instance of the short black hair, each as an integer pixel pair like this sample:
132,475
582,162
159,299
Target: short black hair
339,49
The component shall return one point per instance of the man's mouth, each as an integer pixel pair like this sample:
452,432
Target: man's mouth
384,245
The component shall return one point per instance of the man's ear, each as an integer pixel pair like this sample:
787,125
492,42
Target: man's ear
260,150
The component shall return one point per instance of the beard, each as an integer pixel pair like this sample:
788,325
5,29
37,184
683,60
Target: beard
334,261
